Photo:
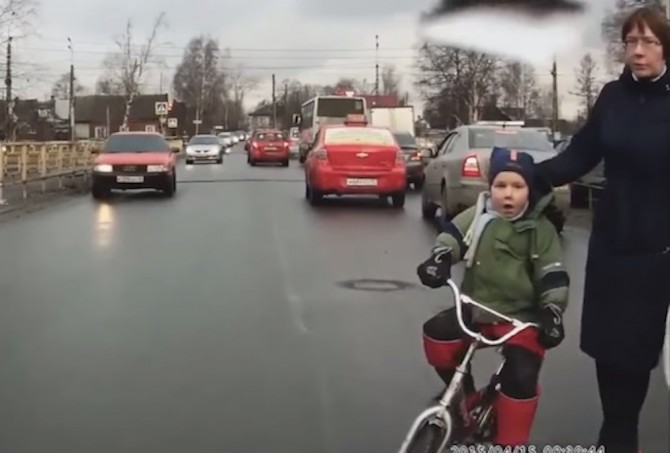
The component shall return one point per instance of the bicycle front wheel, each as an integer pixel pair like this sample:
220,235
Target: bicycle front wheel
429,439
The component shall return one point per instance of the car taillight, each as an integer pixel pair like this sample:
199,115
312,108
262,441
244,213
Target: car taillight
286,144
415,157
320,154
471,168
254,144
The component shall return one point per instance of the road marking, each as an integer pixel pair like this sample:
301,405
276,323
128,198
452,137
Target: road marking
294,300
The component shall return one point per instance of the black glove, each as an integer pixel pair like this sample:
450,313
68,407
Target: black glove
551,326
436,270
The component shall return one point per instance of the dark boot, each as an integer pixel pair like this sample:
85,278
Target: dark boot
514,419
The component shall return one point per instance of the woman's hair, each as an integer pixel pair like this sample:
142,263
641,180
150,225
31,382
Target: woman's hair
655,20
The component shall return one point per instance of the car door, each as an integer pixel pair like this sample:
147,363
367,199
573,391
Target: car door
309,159
435,170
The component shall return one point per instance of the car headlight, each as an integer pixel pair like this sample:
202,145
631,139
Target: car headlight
156,168
103,168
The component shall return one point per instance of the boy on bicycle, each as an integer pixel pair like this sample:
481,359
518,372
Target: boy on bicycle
514,266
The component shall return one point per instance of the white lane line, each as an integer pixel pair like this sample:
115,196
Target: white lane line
295,302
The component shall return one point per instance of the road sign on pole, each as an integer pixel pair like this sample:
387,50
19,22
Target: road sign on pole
172,123
161,108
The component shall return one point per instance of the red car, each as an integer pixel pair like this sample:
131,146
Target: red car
135,160
268,146
355,159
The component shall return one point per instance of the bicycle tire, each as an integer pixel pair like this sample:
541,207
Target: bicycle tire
428,439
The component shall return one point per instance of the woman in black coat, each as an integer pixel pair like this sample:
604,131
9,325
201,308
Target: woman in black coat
627,286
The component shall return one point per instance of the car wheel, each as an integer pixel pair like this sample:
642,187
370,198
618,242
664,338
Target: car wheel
285,163
98,193
301,159
398,200
446,215
189,162
418,184
220,160
428,209
314,196
171,188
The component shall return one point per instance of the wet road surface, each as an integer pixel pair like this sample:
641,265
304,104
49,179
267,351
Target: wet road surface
215,322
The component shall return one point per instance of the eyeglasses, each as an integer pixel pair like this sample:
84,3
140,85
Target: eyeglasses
645,41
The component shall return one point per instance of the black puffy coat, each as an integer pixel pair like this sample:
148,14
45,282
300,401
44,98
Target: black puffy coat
627,281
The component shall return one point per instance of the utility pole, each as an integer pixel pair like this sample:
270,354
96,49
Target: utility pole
376,67
71,109
274,102
8,83
554,99
287,117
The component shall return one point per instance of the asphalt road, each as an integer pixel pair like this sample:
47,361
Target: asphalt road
216,322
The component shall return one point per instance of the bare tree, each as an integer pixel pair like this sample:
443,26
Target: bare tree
126,69
390,81
611,29
518,83
61,88
587,86
18,17
462,81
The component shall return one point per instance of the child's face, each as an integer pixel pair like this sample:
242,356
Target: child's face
509,194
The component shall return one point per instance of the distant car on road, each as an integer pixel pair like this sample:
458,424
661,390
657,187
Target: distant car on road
355,159
268,146
584,188
226,139
135,160
205,147
458,171
414,158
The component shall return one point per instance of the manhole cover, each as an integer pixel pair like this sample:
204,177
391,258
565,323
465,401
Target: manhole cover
378,285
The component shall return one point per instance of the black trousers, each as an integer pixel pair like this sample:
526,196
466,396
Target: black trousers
622,394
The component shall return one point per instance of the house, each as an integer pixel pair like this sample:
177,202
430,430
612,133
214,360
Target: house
262,117
34,120
97,116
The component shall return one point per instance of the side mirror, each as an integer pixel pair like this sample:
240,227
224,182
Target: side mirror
428,153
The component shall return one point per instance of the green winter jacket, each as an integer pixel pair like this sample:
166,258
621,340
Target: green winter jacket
513,267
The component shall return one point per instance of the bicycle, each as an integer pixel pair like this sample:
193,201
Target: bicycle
460,417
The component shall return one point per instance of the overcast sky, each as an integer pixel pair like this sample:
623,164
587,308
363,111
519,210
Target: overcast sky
315,41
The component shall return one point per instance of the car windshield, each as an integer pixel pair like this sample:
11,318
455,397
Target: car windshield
339,107
530,140
224,135
136,143
269,136
204,140
358,135
406,140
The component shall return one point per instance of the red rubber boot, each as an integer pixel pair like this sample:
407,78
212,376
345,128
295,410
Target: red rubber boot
514,419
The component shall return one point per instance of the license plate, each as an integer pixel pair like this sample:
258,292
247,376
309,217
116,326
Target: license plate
361,182
130,179
270,148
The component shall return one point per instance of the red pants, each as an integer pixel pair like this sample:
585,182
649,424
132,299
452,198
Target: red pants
445,345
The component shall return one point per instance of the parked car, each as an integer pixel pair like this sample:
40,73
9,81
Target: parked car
268,146
135,160
458,171
586,188
414,158
205,147
355,159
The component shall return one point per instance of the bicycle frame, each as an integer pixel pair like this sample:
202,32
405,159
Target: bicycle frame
441,411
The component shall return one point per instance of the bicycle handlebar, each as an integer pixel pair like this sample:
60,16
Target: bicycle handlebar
459,299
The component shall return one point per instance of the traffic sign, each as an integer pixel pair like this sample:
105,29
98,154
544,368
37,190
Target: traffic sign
161,108
197,121
172,123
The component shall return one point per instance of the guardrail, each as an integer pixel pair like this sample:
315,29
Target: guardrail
22,164
26,167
